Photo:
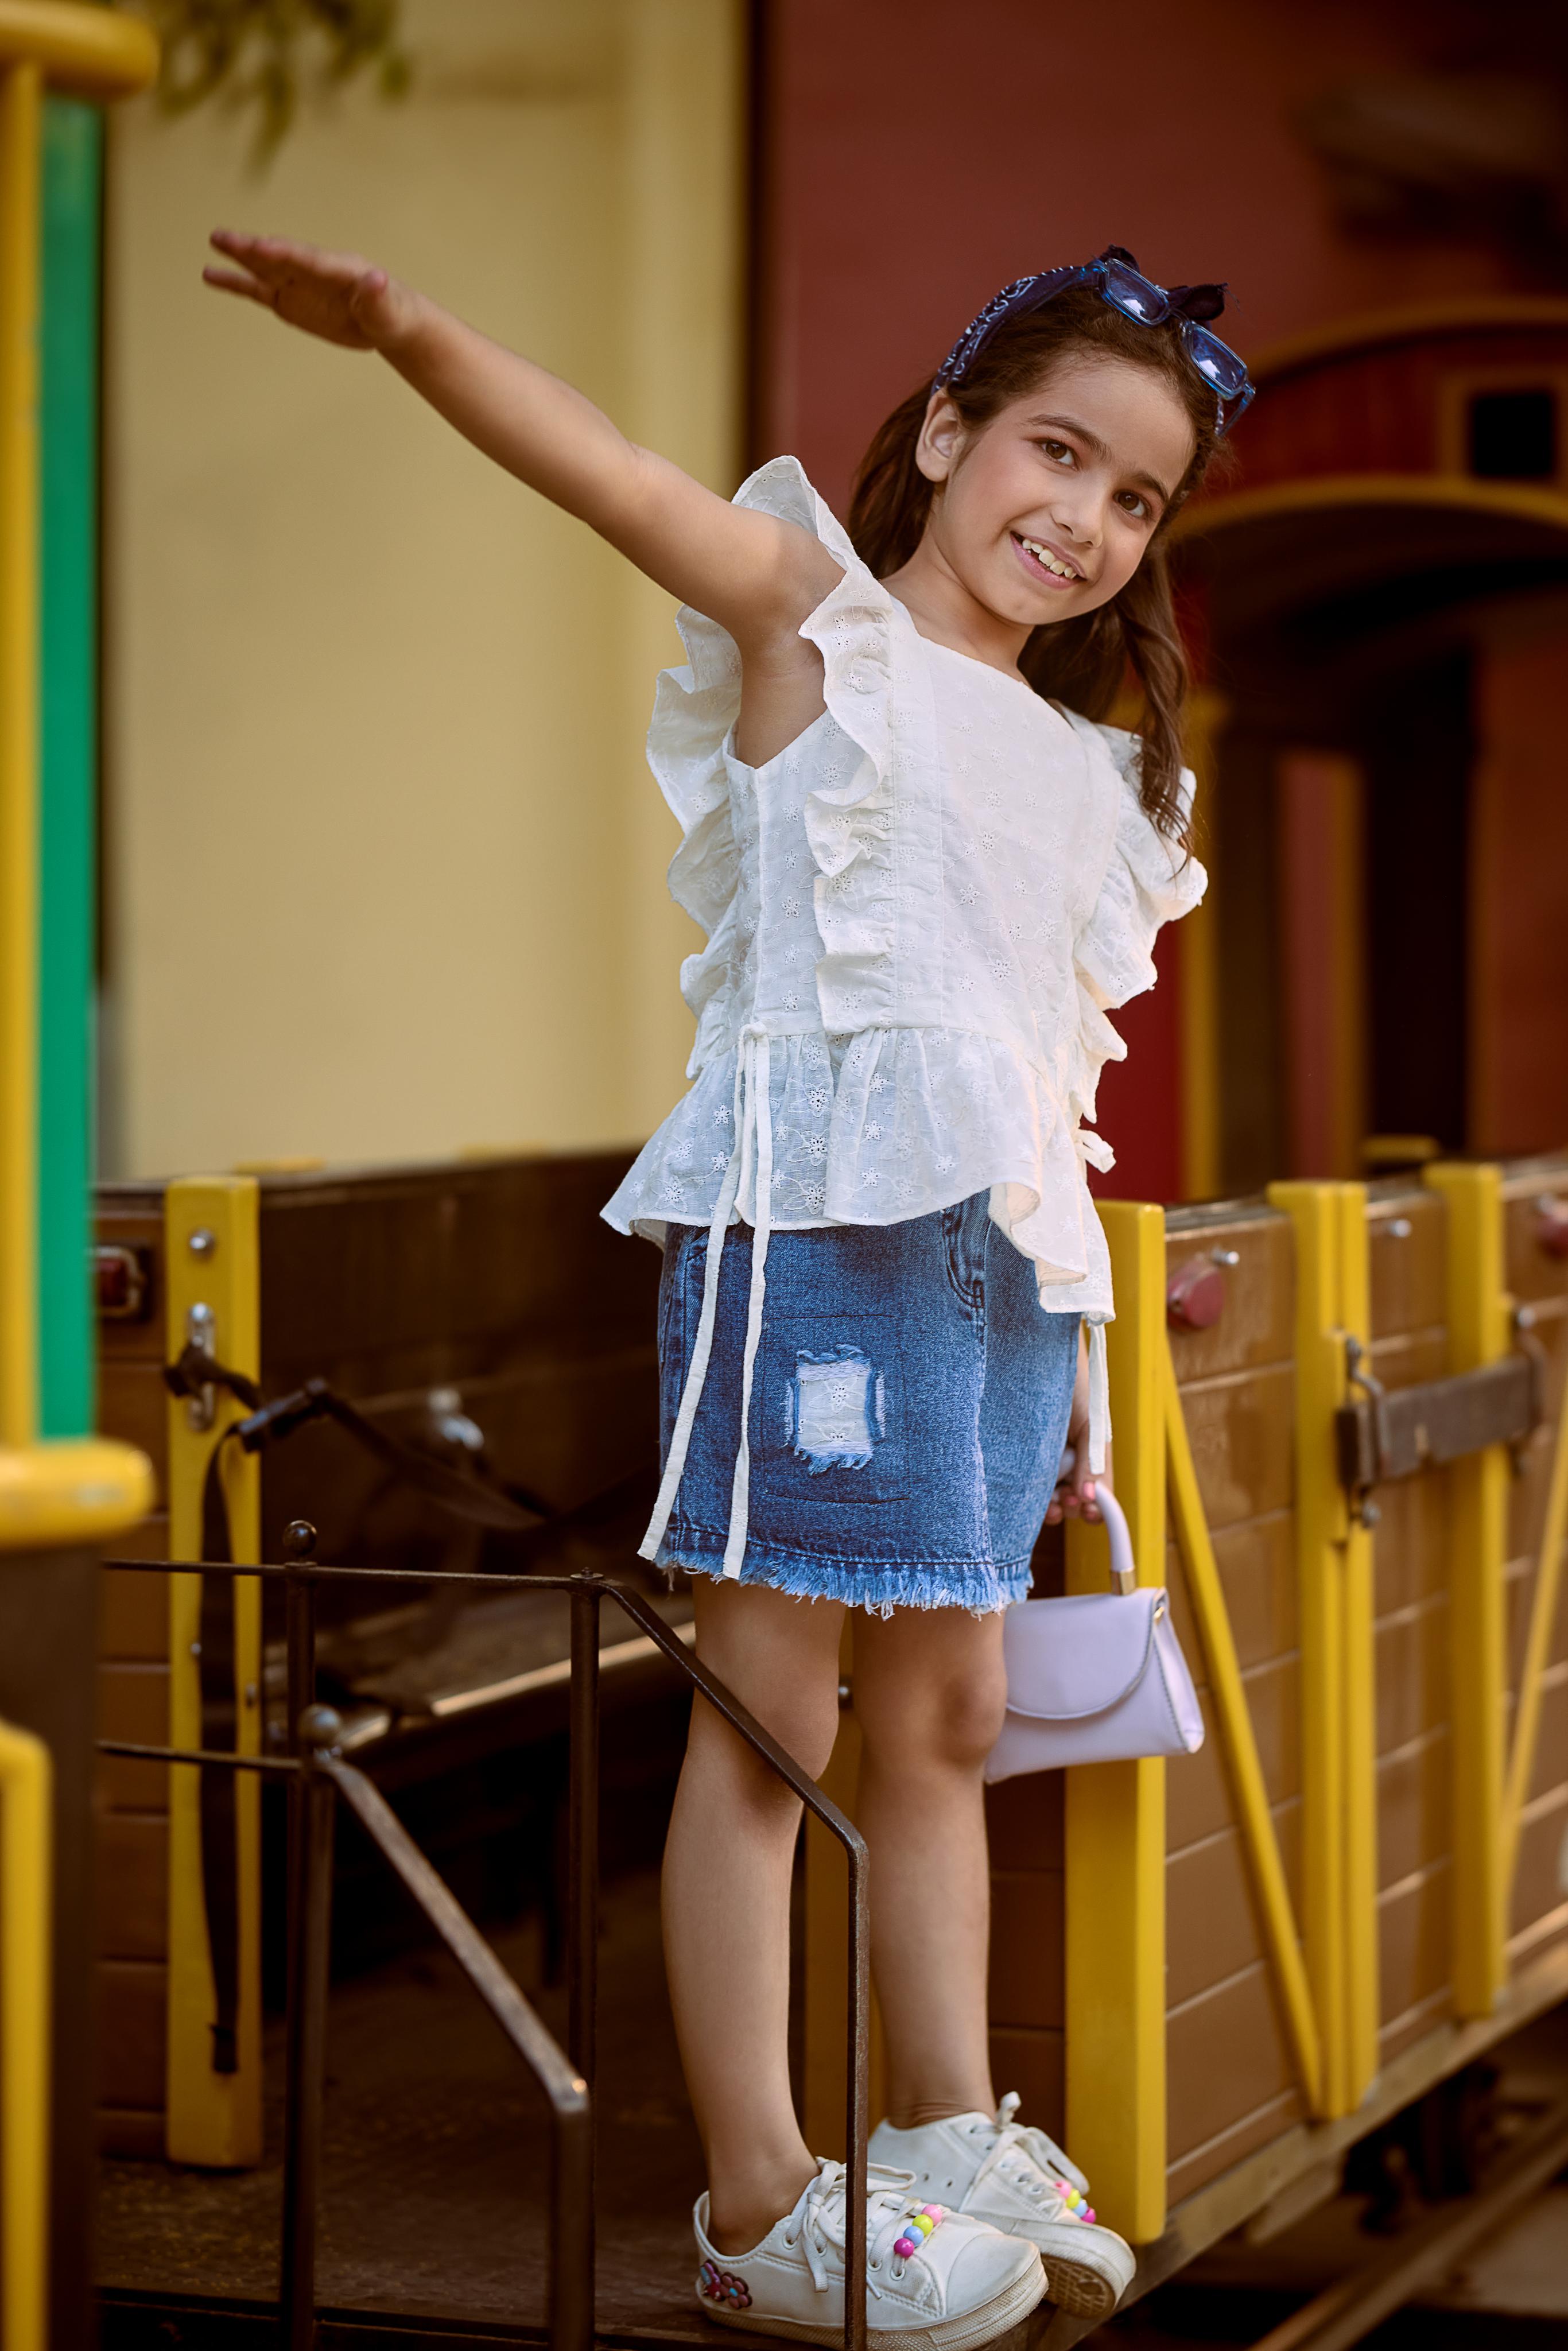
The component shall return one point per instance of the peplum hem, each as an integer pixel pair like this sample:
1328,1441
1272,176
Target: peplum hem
887,1124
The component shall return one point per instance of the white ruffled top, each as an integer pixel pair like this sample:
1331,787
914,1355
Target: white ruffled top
928,903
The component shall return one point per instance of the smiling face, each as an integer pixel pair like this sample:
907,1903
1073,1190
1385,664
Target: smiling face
1046,511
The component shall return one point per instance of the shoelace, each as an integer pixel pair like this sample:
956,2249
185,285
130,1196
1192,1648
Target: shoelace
1021,2148
823,2221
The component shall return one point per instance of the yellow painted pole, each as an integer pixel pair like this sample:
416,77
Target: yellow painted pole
21,115
210,1226
1537,1648
87,52
1362,1998
1115,1815
27,1877
1321,1525
1240,1745
1478,1315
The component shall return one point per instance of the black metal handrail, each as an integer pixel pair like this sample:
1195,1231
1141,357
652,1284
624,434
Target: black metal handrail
316,1774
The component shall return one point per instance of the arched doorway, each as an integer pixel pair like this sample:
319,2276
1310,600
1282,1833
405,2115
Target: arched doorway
1385,650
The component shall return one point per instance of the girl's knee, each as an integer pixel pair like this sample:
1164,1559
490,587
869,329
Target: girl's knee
805,1725
949,1724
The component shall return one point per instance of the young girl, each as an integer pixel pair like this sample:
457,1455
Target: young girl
925,878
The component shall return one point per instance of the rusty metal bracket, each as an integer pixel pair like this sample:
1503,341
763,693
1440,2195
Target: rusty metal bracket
1385,1433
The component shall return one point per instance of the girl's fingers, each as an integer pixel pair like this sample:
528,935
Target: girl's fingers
231,281
278,259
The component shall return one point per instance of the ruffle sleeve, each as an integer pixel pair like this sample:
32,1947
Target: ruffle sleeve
860,631
1149,881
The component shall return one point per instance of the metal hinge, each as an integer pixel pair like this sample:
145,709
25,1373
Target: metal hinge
1386,1432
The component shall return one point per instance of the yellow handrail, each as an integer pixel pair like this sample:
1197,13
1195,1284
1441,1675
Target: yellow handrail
1240,1746
1542,1616
21,115
25,1919
88,52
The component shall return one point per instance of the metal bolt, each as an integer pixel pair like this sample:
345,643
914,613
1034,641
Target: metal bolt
321,1727
202,1242
1225,1256
1370,1516
1399,1229
1524,1318
195,1648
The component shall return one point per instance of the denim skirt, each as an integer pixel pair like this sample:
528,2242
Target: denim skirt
909,1408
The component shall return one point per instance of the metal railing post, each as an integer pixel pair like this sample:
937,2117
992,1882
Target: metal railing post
566,2084
582,1949
310,1959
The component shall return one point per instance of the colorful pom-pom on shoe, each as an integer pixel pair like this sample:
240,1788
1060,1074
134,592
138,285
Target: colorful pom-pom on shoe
723,2285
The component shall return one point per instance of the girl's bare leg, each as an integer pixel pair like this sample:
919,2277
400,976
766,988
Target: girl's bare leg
727,1869
930,1693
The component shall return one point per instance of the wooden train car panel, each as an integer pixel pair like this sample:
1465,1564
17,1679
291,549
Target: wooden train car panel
1230,2086
133,1704
493,1285
1535,1215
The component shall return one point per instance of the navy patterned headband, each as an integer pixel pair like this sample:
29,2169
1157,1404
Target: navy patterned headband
1116,278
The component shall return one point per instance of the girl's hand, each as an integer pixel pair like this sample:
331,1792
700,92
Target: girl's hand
337,296
756,574
1074,1495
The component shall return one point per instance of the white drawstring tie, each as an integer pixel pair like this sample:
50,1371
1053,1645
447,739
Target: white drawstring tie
753,1116
1099,1397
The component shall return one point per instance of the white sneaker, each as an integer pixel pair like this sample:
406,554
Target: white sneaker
935,2280
994,2169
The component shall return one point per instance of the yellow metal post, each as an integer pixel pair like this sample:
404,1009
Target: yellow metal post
1115,1816
1333,1571
211,1252
1321,1528
1363,2006
27,1878
1239,1743
1478,1313
21,115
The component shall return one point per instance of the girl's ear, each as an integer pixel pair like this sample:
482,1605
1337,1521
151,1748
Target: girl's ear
941,438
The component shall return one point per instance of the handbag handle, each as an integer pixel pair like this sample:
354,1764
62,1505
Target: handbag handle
1124,1566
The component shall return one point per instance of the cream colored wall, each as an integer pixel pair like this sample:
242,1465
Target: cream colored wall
384,869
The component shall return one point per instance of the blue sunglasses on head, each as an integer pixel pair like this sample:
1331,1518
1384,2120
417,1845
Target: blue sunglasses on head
1119,281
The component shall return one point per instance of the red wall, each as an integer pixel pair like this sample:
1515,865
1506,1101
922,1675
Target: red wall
1519,907
913,157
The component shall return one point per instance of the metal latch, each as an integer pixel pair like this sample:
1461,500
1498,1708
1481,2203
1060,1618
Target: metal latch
1385,1433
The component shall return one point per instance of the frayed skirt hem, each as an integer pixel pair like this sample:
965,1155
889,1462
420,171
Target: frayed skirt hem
877,1586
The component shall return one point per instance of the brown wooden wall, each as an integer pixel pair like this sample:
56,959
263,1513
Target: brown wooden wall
1538,1914
1230,2086
496,1277
133,1704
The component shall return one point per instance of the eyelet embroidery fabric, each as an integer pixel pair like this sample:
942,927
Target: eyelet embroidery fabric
930,901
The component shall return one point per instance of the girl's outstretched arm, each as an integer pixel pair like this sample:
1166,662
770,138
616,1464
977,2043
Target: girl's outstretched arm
757,575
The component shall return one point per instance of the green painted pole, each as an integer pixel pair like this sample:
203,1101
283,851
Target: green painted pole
69,370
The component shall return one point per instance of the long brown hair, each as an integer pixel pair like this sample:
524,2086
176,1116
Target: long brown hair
1082,661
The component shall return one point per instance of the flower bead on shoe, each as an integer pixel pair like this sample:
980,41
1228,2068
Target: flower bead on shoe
993,2168
935,2280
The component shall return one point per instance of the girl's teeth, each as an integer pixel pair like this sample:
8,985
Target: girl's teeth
1040,555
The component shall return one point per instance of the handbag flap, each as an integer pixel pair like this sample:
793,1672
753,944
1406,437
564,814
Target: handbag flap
1068,1658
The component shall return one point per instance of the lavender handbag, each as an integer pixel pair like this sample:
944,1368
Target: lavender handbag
1095,1678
